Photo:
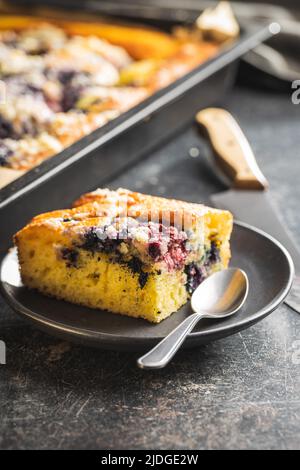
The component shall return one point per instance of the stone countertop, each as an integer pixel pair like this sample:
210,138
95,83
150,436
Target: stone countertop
239,392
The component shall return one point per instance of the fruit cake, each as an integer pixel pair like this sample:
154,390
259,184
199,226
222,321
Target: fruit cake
126,252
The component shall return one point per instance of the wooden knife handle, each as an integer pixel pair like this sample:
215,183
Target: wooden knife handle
232,151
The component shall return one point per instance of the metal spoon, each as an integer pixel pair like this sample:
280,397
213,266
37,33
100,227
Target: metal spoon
222,294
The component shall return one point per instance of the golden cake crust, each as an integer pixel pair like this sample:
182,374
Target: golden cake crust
143,205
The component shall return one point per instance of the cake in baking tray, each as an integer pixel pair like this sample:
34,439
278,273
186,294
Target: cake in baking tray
125,252
64,79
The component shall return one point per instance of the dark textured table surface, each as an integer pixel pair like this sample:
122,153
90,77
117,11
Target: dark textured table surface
240,392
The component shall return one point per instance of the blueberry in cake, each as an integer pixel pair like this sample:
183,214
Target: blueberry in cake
125,252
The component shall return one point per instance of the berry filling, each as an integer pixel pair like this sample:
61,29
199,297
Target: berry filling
213,255
65,76
73,83
96,240
136,267
174,256
70,97
168,245
196,274
165,244
70,256
5,153
6,129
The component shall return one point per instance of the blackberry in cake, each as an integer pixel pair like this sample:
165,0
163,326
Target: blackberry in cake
125,252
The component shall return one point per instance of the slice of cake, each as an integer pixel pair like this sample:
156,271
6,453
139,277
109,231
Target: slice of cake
125,252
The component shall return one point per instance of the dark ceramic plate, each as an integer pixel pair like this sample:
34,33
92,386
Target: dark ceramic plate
267,263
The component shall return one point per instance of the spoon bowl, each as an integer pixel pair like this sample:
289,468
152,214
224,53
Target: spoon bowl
222,294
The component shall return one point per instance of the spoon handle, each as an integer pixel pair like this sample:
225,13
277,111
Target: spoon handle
163,352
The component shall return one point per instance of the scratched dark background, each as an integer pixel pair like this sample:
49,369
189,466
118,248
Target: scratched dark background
240,392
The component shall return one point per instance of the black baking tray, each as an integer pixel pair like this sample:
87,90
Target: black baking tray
98,157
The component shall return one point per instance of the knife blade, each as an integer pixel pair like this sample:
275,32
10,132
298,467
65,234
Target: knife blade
248,197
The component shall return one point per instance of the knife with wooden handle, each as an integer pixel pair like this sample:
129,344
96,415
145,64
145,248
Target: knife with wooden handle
248,197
